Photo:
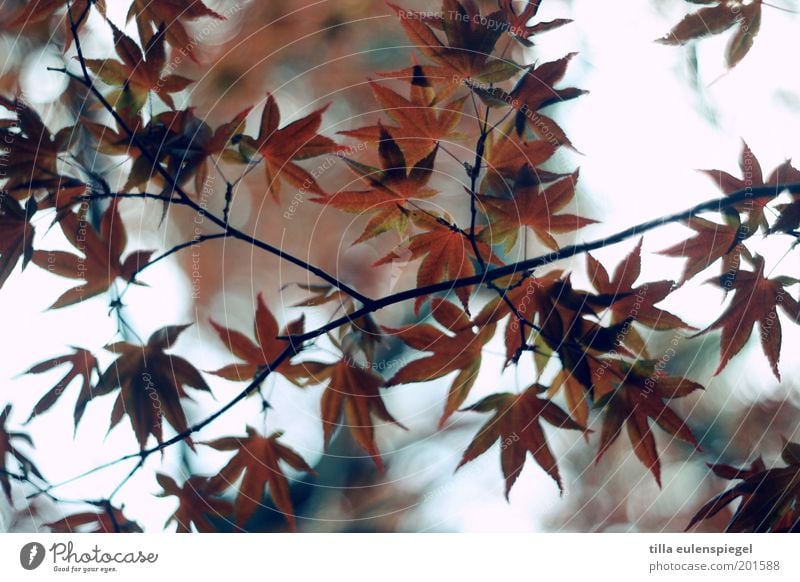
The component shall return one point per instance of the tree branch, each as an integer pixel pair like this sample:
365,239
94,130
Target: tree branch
134,195
296,341
527,266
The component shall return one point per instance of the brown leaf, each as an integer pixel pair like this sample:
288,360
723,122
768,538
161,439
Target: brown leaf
9,449
152,15
258,458
531,206
755,300
261,354
137,74
446,254
456,349
710,20
393,187
517,425
16,236
82,365
637,302
31,163
634,396
102,261
151,384
353,395
281,148
704,22
768,497
470,37
713,241
422,120
196,500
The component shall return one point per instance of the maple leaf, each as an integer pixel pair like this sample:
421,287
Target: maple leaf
152,15
31,160
718,18
177,141
259,355
281,148
533,206
422,121
195,501
191,142
713,241
82,365
456,349
102,263
555,307
393,186
353,396
536,90
788,220
471,38
8,449
755,299
137,74
151,384
518,21
555,324
446,254
321,295
754,178
16,235
631,397
636,302
69,194
517,425
769,497
120,143
528,298
507,154
112,520
258,459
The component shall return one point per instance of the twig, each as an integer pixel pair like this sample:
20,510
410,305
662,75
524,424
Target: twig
142,455
177,248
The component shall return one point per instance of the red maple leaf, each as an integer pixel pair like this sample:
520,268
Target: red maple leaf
755,300
259,459
458,348
281,148
517,425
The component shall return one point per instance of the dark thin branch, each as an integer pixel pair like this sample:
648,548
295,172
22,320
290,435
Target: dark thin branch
127,478
228,199
135,195
40,490
527,266
474,173
297,341
177,248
